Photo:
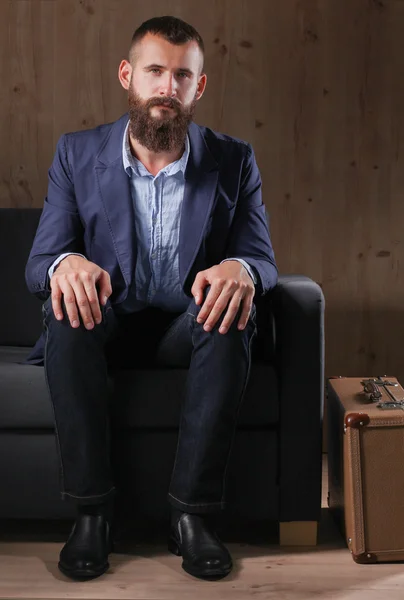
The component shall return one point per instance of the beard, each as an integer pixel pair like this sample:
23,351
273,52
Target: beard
164,133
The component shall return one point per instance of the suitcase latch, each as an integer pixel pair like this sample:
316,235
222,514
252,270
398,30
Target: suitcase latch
371,387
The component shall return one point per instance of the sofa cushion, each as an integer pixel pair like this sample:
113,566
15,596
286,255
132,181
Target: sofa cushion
147,398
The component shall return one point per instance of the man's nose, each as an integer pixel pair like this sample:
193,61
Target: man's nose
168,86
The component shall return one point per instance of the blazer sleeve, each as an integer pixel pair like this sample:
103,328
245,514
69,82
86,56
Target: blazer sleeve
60,229
249,237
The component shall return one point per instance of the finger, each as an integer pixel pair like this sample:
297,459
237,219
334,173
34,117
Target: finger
225,303
210,301
220,305
81,300
245,313
70,301
105,289
198,287
88,281
231,313
198,297
56,299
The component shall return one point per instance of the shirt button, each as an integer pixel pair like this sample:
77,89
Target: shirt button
154,255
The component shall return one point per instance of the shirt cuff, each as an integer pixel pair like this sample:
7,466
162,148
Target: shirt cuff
246,265
59,259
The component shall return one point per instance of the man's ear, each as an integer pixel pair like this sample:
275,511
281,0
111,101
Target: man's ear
125,73
201,85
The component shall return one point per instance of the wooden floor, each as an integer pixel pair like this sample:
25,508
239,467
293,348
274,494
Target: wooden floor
28,569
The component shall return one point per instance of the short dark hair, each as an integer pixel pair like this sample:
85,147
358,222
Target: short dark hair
171,29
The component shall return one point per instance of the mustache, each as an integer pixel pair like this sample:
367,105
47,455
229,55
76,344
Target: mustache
164,101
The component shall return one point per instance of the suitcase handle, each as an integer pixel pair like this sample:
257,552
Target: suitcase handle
371,387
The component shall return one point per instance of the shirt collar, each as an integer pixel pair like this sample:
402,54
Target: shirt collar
133,166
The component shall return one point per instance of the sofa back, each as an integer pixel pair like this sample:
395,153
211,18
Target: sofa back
20,311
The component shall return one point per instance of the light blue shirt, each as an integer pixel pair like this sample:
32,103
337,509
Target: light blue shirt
157,202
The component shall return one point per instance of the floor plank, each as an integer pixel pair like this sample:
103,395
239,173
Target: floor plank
28,570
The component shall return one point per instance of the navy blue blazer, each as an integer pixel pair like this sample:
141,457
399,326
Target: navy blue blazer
89,209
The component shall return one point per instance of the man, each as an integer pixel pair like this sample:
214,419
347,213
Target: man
151,224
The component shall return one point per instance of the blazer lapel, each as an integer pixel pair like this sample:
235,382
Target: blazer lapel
201,177
114,189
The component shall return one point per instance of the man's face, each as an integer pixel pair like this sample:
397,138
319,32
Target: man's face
164,87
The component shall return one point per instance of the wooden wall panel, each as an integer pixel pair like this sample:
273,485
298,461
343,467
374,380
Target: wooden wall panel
315,85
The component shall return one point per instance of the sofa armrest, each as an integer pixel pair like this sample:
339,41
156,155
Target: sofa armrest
298,308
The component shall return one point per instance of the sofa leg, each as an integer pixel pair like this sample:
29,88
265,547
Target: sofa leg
298,533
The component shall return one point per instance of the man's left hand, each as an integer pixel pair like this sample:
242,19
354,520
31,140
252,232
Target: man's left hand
231,286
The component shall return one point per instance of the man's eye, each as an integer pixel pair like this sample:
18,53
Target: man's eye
183,75
155,70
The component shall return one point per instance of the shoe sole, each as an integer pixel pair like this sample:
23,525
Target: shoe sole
83,573
212,575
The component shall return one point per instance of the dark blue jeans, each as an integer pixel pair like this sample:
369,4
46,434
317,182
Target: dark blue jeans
77,364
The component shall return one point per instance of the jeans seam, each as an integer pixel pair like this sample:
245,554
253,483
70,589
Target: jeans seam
63,490
191,504
238,411
173,330
104,312
87,497
51,402
179,427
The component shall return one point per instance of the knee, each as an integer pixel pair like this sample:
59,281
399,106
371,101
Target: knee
48,312
194,309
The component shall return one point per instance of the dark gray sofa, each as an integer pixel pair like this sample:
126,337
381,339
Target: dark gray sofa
275,467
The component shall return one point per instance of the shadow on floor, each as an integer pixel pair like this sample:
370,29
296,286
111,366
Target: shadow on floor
128,536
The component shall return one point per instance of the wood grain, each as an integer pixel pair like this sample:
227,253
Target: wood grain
315,85
28,569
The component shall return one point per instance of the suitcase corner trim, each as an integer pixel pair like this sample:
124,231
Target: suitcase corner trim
356,420
364,558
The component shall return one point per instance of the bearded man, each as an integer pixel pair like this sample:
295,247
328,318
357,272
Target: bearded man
152,243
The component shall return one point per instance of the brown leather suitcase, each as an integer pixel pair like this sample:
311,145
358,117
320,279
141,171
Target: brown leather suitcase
366,465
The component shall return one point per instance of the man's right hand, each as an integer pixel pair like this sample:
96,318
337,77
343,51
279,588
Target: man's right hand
75,278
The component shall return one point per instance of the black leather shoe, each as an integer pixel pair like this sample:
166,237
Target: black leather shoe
204,555
85,554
